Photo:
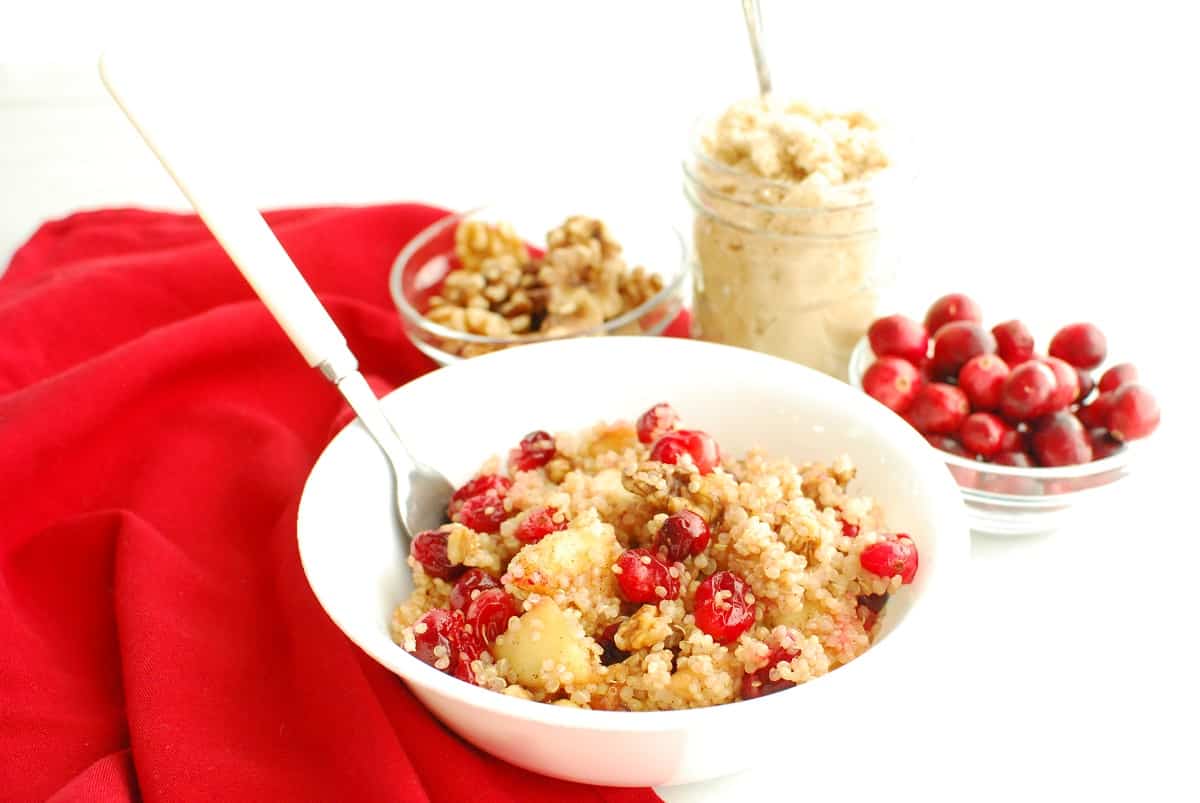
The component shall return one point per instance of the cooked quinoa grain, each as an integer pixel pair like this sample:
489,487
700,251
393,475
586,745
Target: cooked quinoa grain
784,595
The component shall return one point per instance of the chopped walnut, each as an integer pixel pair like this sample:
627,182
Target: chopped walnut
645,628
499,290
476,241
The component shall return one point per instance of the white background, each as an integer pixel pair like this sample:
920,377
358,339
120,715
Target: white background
1055,152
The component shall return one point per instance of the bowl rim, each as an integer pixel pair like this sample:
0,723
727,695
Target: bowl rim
952,558
411,316
1116,462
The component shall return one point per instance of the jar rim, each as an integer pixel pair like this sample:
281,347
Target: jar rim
700,156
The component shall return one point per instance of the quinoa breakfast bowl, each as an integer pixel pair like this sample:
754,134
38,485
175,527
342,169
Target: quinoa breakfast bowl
360,571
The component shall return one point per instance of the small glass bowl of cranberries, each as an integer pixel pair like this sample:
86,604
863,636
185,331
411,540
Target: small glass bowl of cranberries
1028,426
502,275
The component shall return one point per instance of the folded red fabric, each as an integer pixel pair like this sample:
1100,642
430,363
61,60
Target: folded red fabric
157,636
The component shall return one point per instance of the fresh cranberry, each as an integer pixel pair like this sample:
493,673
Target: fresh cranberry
481,485
984,433
1120,374
1087,383
700,445
1014,342
1095,413
898,336
938,409
483,514
1103,444
1027,391
1060,440
682,534
1066,384
1134,413
489,612
891,556
759,683
981,378
442,641
537,524
849,530
656,422
723,608
1013,458
947,443
874,603
1080,344
947,309
472,580
534,451
612,654
957,342
429,550
1013,440
642,574
892,381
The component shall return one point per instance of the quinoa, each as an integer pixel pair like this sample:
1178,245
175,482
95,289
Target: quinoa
793,534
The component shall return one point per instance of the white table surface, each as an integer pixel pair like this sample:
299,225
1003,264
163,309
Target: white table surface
1057,181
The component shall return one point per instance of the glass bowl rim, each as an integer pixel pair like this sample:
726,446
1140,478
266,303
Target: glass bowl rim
413,317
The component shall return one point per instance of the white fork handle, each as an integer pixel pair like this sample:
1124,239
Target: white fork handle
239,227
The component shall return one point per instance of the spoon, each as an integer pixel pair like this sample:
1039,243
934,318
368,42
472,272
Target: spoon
754,27
421,492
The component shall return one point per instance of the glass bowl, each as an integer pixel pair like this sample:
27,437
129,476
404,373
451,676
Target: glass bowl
1006,500
423,264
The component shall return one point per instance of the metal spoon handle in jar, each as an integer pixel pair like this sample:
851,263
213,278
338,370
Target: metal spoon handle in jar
754,27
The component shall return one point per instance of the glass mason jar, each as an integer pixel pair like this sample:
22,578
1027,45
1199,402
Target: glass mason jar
786,268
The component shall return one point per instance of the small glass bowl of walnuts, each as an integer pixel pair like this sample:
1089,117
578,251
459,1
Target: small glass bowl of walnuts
499,276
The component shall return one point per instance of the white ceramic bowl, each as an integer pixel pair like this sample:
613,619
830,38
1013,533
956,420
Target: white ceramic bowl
457,416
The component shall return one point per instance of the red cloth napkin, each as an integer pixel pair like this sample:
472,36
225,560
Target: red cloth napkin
157,636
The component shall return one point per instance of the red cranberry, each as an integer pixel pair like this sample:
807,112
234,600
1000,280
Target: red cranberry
849,530
682,534
891,556
893,382
938,409
1120,374
947,309
723,608
874,603
612,654
1027,391
483,484
981,378
1080,344
898,336
700,445
1013,458
1014,343
1013,440
1060,440
483,514
534,451
984,433
947,444
1066,384
759,683
957,342
1103,444
1134,413
1087,383
472,580
429,550
442,641
489,612
656,422
537,524
642,574
1095,413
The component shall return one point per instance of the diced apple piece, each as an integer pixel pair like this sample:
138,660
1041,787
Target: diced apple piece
543,644
587,547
